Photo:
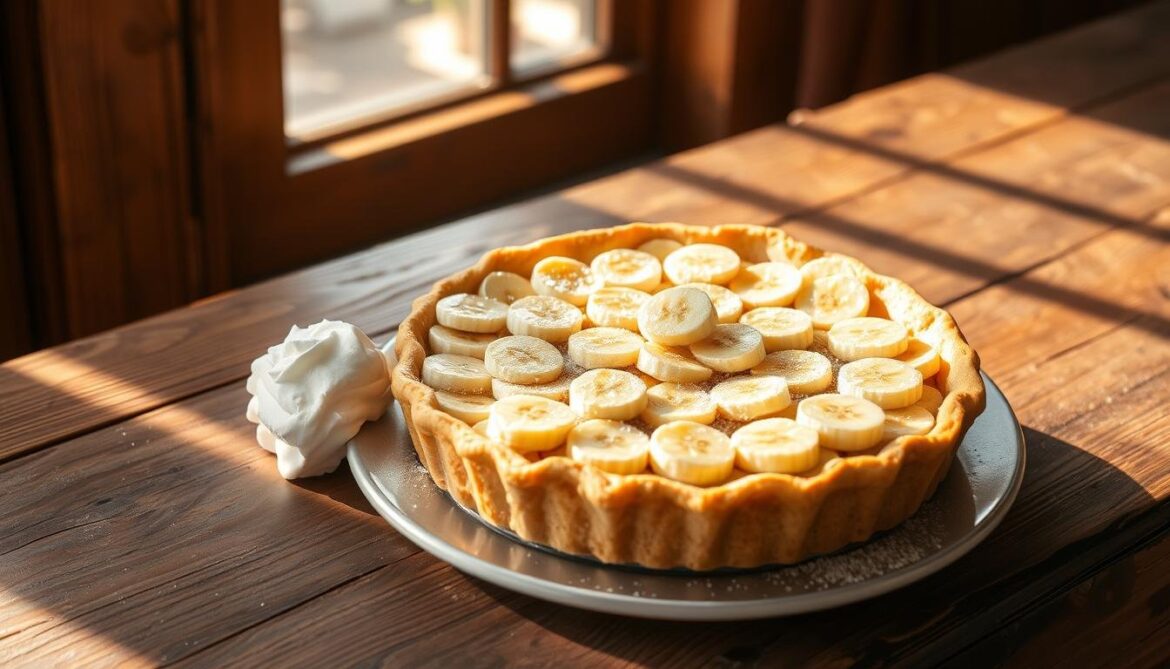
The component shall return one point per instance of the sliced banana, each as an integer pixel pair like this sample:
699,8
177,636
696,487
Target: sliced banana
920,356
563,278
701,263
668,402
456,374
890,384
734,347
806,372
506,287
527,423
445,340
557,390
671,364
867,337
549,318
781,327
728,306
660,248
908,420
844,423
767,284
627,268
523,359
746,398
605,347
471,313
931,399
829,265
468,408
615,307
481,427
613,394
779,445
610,445
691,452
677,317
833,298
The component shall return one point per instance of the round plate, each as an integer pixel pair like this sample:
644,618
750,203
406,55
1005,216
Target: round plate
970,502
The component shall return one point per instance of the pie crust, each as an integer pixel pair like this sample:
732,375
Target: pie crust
649,520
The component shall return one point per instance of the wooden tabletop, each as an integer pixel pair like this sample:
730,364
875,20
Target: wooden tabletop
1029,193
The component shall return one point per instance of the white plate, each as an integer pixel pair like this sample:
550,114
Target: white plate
969,503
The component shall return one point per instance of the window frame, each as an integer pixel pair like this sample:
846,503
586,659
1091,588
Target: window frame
266,203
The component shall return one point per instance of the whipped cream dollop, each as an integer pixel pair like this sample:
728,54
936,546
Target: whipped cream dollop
312,392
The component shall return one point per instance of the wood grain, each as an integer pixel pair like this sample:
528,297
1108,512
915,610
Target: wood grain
168,536
1088,472
186,491
748,179
1117,612
113,80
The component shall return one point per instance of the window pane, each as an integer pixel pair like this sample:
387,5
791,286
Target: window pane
546,33
345,60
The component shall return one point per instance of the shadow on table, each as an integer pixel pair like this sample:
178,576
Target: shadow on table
1070,504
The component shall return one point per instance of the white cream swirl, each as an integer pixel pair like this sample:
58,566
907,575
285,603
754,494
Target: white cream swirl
312,392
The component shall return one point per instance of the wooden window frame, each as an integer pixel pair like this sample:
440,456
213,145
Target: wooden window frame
260,194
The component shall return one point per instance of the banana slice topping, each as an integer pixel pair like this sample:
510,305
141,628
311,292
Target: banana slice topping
691,452
806,372
779,445
890,384
626,268
731,348
660,248
564,278
668,402
470,409
744,398
833,298
456,374
613,394
471,313
605,347
909,420
610,445
506,287
675,365
527,423
701,263
677,317
728,306
615,307
767,284
549,318
446,340
920,356
523,359
844,423
867,337
781,327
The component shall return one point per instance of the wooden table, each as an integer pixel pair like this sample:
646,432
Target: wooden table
1028,193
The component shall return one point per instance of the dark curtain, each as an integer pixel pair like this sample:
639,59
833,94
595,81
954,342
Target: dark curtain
848,46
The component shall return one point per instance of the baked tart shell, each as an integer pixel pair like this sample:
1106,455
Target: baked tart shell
649,520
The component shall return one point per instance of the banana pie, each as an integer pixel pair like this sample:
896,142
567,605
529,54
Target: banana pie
683,396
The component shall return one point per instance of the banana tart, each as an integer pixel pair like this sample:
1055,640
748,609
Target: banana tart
681,396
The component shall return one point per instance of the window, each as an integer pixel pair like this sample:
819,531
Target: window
327,125
350,62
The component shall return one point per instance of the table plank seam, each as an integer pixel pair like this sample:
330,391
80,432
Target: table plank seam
289,609
1145,528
